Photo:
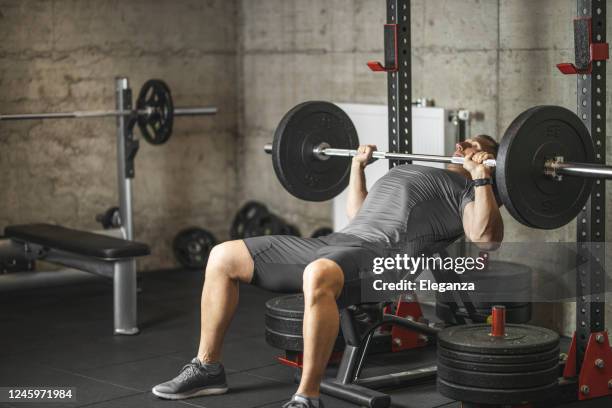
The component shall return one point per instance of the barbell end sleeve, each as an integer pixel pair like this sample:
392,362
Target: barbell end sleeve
268,148
212,110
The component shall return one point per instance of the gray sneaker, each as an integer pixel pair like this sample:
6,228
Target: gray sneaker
300,402
192,381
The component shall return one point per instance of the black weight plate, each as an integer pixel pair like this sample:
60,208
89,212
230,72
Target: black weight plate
519,339
499,368
282,324
303,128
264,224
498,358
536,135
321,232
192,246
493,396
284,317
249,211
291,306
284,341
110,219
498,380
290,342
155,97
290,229
515,312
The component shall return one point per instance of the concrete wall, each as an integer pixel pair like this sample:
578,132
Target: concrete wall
494,57
63,55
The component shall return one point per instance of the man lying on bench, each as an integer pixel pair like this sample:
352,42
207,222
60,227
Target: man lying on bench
411,207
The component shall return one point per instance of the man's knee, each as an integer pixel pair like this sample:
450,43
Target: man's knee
322,278
230,258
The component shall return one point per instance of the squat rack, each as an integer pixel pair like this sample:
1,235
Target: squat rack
588,370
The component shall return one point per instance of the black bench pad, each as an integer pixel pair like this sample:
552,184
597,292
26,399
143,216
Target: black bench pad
78,242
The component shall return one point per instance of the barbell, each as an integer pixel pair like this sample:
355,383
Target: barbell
154,112
542,146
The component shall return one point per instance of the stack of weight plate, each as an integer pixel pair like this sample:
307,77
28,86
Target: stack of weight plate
508,282
284,317
475,367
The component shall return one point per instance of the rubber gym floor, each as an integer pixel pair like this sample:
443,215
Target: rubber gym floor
62,336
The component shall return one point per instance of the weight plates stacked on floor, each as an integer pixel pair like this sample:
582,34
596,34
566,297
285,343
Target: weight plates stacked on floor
248,212
502,280
254,220
284,316
519,367
192,246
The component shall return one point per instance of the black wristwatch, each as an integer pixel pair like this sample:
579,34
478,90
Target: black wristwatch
482,182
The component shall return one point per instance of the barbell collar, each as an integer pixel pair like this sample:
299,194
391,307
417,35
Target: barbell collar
322,151
195,111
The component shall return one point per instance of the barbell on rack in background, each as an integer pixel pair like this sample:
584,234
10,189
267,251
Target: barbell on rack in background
154,112
543,169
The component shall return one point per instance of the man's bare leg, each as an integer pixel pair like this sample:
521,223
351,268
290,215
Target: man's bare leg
323,282
228,264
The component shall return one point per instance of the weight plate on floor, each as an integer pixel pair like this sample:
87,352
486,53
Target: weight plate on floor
321,232
264,224
496,380
248,212
492,396
498,358
303,128
290,229
284,319
192,246
515,312
156,99
519,339
291,306
536,135
499,368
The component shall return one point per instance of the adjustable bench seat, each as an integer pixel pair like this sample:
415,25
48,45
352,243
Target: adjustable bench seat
82,243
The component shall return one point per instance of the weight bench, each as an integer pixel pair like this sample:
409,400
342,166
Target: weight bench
91,252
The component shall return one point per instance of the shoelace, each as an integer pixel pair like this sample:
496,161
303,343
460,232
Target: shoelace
189,370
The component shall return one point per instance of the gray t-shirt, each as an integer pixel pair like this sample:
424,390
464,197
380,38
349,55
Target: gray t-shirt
412,207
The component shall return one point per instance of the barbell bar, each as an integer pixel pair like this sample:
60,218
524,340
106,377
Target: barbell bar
540,147
106,113
154,112
552,168
324,152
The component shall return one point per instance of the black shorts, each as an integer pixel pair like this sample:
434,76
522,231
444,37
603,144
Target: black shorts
280,261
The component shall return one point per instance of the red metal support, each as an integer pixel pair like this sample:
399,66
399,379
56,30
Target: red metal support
595,378
404,339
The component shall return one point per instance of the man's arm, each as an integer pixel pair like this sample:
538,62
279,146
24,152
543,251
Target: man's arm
482,221
357,190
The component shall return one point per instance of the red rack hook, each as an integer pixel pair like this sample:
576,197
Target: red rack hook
391,64
586,50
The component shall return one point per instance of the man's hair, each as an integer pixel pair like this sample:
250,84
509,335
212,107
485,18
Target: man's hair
494,144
